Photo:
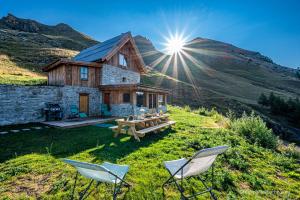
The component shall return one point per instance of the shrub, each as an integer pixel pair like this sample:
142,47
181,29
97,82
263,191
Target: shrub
263,100
202,111
254,129
187,108
289,150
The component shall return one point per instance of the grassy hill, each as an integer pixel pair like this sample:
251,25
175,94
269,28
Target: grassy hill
223,69
212,73
215,74
251,169
27,45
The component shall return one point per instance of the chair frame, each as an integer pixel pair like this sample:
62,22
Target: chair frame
180,188
116,188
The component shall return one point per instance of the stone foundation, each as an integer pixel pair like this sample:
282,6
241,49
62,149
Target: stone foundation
24,104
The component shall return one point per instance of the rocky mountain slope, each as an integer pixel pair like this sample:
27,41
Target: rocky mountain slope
27,45
222,69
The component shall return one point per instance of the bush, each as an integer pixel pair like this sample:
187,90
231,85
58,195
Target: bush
279,106
255,130
289,150
187,108
202,111
263,100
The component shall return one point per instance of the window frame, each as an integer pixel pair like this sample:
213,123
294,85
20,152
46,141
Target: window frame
129,97
121,63
161,99
84,76
152,100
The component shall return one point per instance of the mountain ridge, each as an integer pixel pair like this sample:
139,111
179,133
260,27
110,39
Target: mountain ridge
61,29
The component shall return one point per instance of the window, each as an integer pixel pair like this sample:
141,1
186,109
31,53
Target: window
152,100
84,73
139,99
161,100
126,97
122,60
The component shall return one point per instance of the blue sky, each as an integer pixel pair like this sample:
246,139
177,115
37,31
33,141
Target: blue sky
270,27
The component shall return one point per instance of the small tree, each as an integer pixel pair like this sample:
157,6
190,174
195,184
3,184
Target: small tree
272,99
263,100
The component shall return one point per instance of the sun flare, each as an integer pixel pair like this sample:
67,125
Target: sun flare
174,44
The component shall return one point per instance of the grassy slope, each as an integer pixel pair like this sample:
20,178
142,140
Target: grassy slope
31,165
23,54
224,70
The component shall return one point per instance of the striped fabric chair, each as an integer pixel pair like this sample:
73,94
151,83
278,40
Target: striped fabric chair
105,173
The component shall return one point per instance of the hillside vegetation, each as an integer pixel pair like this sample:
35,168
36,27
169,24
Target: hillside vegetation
223,69
252,168
213,73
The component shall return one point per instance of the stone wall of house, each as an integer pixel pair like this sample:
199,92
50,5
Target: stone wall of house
71,97
121,110
24,104
112,75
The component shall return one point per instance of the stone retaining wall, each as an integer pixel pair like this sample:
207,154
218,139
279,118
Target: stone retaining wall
24,104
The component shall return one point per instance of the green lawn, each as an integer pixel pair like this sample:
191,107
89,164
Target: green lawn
31,167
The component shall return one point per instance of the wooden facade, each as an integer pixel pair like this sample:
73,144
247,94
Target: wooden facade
158,96
70,75
132,60
67,72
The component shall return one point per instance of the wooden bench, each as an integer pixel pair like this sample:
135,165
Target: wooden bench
114,128
154,128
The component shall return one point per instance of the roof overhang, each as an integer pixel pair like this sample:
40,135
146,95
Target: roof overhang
60,62
134,87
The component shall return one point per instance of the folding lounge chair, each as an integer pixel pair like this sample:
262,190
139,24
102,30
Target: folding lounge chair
105,173
198,164
74,111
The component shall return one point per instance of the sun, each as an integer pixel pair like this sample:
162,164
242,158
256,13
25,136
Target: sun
174,44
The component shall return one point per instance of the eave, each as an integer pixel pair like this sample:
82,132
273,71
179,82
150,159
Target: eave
60,62
134,87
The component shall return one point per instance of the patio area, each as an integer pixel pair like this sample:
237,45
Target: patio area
78,122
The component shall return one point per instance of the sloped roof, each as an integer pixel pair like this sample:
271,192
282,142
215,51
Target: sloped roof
103,51
99,51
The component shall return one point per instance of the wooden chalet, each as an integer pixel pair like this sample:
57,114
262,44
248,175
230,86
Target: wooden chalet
112,68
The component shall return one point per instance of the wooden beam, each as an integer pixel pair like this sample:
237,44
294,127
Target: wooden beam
60,62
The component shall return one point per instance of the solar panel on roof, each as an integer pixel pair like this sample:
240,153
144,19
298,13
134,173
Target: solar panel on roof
99,51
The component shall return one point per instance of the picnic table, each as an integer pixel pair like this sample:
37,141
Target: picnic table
139,127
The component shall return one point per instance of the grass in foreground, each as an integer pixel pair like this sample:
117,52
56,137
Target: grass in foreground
31,167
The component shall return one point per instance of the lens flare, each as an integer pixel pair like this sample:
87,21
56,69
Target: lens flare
174,44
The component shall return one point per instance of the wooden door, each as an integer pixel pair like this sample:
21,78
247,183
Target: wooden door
106,98
84,103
